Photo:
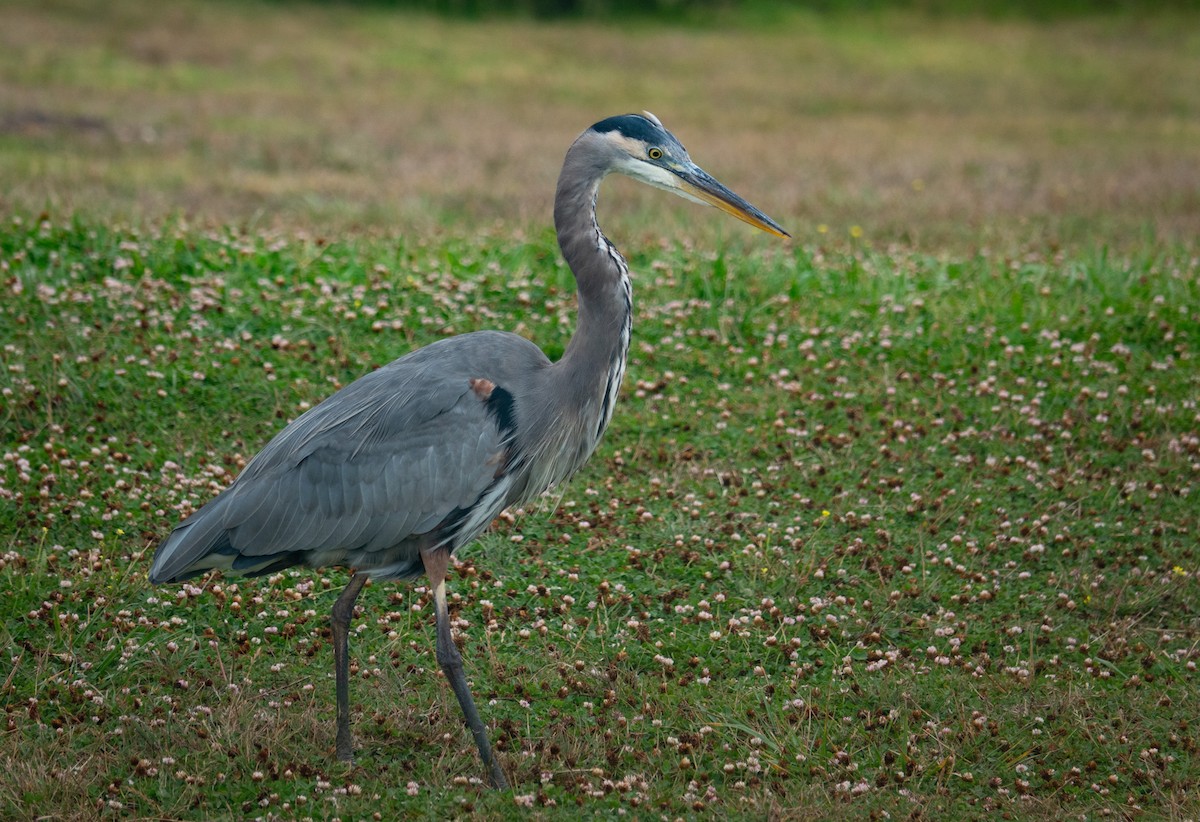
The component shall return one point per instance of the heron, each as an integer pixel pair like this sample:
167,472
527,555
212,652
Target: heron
395,472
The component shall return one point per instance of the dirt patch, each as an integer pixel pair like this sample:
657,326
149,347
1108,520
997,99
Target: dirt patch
36,123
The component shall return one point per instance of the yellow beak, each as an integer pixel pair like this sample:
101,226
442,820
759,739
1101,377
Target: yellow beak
695,182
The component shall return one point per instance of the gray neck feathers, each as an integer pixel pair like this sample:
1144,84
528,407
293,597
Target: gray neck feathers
571,402
594,363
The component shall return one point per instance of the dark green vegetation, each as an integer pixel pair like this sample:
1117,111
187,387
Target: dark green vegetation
701,12
898,520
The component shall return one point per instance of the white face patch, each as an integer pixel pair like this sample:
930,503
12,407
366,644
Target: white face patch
654,175
630,163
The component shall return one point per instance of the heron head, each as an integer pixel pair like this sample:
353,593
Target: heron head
640,147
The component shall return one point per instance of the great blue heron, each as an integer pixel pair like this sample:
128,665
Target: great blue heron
399,469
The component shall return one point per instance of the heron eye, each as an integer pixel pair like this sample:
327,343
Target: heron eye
655,153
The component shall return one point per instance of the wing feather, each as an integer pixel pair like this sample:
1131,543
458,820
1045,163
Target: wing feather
359,477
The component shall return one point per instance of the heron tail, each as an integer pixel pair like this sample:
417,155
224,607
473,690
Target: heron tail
203,542
198,544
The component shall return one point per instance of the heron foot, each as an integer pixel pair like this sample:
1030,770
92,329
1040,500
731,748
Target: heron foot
345,744
436,563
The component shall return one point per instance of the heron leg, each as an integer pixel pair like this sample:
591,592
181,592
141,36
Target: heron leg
343,611
436,564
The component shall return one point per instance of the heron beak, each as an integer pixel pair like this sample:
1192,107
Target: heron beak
694,182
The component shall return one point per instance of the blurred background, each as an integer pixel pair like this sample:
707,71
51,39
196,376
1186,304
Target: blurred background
942,126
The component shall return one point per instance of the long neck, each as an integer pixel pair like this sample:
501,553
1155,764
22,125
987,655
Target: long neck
593,364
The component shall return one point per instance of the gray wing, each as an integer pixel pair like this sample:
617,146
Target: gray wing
392,456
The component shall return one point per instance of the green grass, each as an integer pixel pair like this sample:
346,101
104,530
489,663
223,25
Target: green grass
872,533
897,520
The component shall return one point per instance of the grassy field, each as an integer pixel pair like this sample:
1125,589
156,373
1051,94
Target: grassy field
944,134
898,520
